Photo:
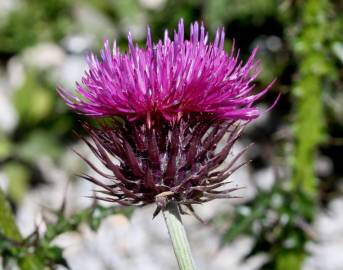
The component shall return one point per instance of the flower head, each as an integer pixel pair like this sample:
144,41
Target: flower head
170,78
177,108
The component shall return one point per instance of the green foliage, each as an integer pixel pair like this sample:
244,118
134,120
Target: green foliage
223,11
277,220
39,143
38,252
18,179
315,67
33,92
5,147
7,222
34,21
10,237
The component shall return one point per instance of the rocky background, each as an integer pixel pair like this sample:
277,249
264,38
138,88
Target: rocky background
290,215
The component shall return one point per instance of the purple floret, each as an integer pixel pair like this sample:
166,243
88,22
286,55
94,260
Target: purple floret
170,78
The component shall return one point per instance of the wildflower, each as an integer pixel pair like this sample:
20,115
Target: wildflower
176,109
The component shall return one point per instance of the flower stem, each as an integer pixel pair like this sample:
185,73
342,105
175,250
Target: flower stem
178,237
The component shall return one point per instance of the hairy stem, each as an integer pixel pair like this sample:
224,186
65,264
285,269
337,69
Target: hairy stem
178,237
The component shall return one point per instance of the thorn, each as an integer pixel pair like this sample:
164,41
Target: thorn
156,212
194,214
61,211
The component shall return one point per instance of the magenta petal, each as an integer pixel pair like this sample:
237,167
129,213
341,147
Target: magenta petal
169,78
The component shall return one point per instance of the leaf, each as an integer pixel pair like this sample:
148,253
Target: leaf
18,178
289,260
5,147
8,226
242,223
33,101
31,262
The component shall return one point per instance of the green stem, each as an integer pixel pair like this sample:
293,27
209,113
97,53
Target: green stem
178,237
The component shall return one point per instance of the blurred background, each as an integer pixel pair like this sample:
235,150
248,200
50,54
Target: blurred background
291,212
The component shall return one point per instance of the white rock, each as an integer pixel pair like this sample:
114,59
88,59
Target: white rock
242,177
3,182
143,243
38,202
136,25
153,4
15,72
70,71
265,178
326,253
78,43
8,115
93,22
323,166
43,56
274,43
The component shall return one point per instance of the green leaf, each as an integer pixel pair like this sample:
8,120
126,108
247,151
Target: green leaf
31,262
243,221
18,176
8,226
33,101
289,260
5,147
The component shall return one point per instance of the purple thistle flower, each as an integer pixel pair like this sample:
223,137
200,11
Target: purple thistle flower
171,78
177,108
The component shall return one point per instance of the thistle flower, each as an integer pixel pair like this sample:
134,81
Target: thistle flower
177,107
